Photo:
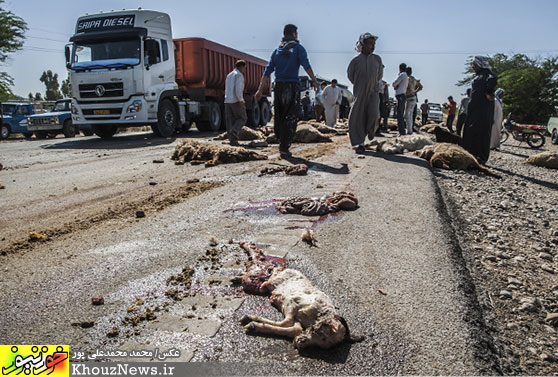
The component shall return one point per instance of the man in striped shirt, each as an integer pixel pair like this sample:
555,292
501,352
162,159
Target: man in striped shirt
235,108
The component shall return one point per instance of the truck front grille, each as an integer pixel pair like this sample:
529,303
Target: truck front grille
41,121
102,90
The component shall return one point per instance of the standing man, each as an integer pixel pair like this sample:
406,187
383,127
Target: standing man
306,105
463,111
384,106
285,62
424,112
365,72
480,112
318,104
413,86
331,98
452,108
496,131
235,108
400,86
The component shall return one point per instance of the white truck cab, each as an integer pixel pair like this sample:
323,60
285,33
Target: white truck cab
122,68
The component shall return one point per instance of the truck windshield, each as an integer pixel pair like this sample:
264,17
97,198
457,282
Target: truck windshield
106,54
8,109
61,106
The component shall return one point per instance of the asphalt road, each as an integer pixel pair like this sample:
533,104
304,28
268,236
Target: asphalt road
391,267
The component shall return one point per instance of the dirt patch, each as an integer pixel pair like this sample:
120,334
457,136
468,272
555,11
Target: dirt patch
154,203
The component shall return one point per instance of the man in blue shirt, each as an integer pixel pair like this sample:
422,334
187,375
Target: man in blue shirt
285,62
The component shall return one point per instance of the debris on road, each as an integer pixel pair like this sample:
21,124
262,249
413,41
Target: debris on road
213,241
299,169
83,325
184,278
548,159
196,152
97,300
140,214
309,236
339,201
161,161
114,332
382,291
451,156
37,237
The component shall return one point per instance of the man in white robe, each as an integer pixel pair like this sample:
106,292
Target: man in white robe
498,119
365,71
331,98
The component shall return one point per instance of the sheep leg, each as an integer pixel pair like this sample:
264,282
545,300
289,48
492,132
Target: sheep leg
266,329
288,321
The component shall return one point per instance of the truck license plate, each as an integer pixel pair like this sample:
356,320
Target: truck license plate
102,112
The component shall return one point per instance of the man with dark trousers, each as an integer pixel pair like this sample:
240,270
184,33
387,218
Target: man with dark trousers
285,62
400,87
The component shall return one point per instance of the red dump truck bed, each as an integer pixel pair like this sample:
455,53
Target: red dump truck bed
202,67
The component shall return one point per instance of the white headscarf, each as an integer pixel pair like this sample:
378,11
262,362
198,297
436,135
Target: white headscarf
481,62
361,39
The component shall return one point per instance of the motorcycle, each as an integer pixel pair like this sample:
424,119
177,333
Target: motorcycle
531,133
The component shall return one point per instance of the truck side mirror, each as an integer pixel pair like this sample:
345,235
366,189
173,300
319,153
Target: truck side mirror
67,53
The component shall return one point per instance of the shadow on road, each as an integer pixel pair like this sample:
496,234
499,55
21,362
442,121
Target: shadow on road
399,158
550,185
317,166
124,141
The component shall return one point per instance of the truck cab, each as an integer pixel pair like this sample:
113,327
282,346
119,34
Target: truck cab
121,69
15,119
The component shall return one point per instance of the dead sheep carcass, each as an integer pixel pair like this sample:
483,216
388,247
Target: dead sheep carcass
339,201
452,156
323,128
245,134
305,133
298,169
546,159
404,143
211,154
310,318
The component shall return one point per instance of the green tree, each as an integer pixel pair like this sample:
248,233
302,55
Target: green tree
66,88
530,85
38,97
52,85
12,35
31,96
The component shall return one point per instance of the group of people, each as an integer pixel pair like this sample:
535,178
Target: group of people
406,87
371,97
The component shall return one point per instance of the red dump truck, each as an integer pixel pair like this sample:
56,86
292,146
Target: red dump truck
123,74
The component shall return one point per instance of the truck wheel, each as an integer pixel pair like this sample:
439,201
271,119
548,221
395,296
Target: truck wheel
554,138
68,129
104,132
87,132
265,113
167,119
213,119
4,132
254,116
28,135
41,135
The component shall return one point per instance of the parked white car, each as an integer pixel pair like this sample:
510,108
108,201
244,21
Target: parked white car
435,113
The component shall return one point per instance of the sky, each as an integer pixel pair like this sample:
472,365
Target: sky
434,37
